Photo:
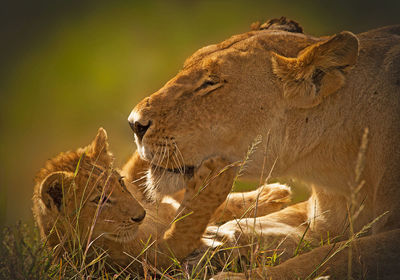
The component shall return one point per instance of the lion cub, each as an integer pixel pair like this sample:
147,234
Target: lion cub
79,195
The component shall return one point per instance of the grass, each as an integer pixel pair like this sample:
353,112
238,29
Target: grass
23,255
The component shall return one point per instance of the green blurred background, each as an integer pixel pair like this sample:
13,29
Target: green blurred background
68,67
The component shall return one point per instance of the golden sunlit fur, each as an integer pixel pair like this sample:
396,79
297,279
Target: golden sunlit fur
312,100
78,195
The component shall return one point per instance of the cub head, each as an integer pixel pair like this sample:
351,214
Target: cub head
228,93
79,195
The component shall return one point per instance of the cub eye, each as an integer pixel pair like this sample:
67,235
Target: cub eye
101,200
122,183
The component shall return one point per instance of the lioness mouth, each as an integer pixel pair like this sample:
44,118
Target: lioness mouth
185,170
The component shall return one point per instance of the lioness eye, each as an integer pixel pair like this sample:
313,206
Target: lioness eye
210,83
212,80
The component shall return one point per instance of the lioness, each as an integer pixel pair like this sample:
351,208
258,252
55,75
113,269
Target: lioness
79,196
328,111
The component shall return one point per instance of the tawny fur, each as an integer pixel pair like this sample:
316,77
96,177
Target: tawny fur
312,99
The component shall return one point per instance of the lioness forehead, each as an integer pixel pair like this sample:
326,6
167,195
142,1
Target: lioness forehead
274,40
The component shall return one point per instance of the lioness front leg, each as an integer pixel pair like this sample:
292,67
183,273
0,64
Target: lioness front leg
280,232
204,193
284,229
266,199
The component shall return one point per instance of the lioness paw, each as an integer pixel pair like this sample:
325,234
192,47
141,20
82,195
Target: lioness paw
211,182
271,198
213,165
212,171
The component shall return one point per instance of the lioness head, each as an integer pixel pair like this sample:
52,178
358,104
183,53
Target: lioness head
228,93
79,195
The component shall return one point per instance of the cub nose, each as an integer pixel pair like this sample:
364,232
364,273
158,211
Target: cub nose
139,218
139,129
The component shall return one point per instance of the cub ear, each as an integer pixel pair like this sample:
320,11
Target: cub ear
317,71
53,188
98,149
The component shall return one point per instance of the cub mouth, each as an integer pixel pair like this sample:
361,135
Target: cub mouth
121,238
184,170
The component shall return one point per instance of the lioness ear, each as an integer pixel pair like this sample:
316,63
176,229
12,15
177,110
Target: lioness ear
317,71
98,149
53,188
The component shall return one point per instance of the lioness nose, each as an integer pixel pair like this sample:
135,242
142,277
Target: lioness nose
139,218
139,129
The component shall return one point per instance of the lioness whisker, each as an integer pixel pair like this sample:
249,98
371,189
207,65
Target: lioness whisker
180,154
141,178
180,164
167,154
161,158
155,156
176,161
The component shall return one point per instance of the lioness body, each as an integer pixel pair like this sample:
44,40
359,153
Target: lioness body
313,100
